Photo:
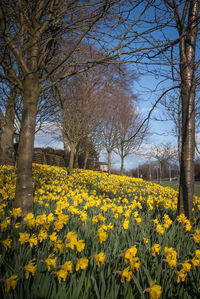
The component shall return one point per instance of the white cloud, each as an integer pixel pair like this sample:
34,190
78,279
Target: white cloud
45,140
198,137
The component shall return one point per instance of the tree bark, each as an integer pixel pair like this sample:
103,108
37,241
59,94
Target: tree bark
186,188
7,131
71,159
122,165
66,149
76,156
179,131
109,162
24,184
85,159
122,159
188,87
160,174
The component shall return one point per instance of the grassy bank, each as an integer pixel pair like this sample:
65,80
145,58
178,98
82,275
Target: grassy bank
94,236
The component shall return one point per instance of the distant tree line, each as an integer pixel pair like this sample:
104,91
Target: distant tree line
151,172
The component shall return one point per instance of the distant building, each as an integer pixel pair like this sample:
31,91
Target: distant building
16,138
103,166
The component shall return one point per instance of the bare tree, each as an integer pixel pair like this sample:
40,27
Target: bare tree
81,103
187,26
129,120
164,155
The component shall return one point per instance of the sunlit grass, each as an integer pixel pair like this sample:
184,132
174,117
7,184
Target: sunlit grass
175,186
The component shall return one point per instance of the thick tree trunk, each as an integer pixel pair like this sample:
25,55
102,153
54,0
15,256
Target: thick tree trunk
186,188
24,184
179,131
76,156
86,159
66,149
71,159
7,131
188,87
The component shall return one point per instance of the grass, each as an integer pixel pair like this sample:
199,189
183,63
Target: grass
176,185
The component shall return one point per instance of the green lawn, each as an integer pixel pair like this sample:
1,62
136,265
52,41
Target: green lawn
175,187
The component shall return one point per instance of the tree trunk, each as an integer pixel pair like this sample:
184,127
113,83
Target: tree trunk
179,131
71,159
76,156
122,159
85,159
24,184
66,149
160,174
122,165
7,131
109,162
186,188
188,87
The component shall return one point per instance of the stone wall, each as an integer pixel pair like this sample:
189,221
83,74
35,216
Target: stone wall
40,157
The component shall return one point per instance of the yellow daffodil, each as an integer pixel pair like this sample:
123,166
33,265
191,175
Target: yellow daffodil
155,249
131,252
160,229
11,282
102,235
181,276
30,268
171,256
196,236
125,224
67,266
53,237
51,261
155,290
61,275
71,240
134,263
100,258
80,245
63,272
59,245
126,275
30,220
7,243
16,212
24,238
82,263
5,224
33,240
42,235
138,220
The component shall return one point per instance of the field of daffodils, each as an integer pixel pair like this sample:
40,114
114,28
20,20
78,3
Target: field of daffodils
96,236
